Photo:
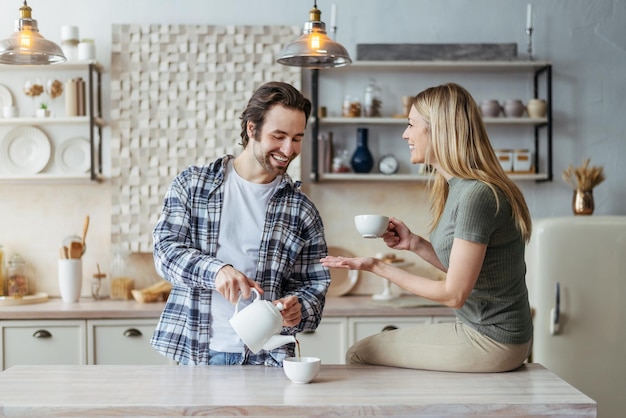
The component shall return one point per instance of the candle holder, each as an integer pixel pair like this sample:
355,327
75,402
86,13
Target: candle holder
529,43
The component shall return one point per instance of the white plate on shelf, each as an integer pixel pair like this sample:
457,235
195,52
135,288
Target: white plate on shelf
6,98
25,150
73,155
341,280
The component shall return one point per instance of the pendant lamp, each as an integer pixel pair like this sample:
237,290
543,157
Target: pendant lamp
26,46
314,48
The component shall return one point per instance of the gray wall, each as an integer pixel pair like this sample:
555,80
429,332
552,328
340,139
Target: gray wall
585,41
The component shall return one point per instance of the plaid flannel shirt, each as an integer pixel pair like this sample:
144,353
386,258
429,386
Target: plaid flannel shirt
185,244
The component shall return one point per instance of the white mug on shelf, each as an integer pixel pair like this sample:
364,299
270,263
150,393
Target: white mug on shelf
9,111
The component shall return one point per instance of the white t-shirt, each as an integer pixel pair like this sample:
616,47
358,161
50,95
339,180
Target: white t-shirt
241,227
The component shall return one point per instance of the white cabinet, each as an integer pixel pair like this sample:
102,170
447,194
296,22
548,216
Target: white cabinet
360,328
78,341
500,80
122,342
329,341
57,147
42,342
335,335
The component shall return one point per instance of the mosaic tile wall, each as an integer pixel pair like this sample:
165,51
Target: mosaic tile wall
177,92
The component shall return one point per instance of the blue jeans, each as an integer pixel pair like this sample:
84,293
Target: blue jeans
217,358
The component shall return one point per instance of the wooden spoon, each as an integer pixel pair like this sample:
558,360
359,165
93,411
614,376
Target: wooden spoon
85,227
76,249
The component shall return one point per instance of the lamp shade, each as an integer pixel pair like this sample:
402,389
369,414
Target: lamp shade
314,48
26,46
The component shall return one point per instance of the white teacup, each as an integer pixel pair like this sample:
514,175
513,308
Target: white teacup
371,226
301,369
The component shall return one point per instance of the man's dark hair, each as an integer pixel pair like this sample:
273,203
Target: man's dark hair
267,96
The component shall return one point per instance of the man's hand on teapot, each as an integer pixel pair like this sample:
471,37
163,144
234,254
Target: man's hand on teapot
292,312
230,282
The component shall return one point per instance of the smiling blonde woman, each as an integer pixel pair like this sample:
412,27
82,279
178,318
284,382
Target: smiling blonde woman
478,236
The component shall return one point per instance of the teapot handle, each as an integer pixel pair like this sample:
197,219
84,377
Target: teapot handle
254,291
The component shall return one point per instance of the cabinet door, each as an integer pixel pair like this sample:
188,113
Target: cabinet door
360,328
43,342
122,341
328,341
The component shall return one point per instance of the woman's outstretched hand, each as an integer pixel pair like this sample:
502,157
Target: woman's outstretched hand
353,263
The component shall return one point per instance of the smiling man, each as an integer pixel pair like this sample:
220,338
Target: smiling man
236,224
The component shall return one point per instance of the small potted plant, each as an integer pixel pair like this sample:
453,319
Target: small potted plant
583,179
43,111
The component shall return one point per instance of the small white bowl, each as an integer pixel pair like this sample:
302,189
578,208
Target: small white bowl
371,226
302,369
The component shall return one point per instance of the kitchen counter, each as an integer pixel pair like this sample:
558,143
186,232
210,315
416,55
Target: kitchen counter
531,391
87,308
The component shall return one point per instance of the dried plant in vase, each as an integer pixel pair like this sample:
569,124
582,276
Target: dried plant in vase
583,179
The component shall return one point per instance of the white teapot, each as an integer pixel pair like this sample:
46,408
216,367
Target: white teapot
258,324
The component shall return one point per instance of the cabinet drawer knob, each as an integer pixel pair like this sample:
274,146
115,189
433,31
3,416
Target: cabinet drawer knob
389,328
42,333
132,332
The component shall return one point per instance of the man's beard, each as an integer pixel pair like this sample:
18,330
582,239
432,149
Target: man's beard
265,160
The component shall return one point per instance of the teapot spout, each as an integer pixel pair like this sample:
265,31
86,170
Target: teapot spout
276,341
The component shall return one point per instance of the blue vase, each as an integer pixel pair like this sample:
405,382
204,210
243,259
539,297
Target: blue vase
362,160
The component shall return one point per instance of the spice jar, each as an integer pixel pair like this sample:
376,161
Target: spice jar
351,107
17,278
372,102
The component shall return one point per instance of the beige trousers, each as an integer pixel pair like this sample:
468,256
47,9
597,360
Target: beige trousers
452,347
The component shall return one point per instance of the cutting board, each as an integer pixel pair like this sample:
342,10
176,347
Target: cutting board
25,300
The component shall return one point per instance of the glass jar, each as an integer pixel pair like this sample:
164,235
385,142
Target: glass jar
99,286
372,102
351,107
17,277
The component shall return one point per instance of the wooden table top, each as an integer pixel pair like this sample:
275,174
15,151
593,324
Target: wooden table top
265,391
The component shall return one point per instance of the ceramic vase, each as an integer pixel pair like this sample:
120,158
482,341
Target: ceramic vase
490,108
514,108
536,108
582,202
362,160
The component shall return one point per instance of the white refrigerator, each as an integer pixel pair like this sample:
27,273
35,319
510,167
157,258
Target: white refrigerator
577,285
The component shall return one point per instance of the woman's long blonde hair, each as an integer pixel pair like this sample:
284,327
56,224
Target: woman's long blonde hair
460,145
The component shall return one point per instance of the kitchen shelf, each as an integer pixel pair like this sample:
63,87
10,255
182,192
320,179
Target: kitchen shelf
539,70
403,121
63,66
451,66
51,178
52,121
94,122
410,177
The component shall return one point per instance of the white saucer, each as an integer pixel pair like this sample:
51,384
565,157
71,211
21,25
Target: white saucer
73,155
